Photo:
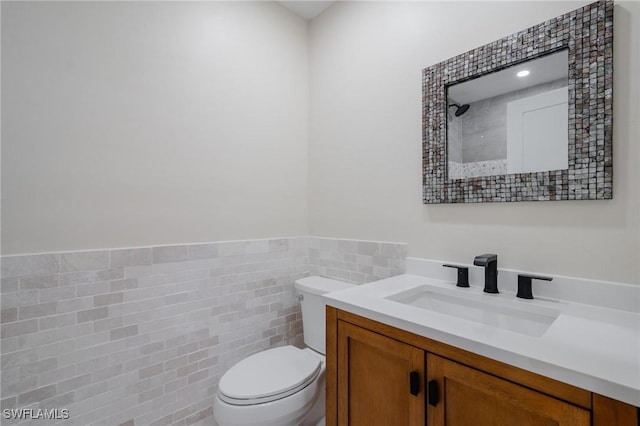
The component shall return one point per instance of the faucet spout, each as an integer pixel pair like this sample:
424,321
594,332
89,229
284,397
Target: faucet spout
490,264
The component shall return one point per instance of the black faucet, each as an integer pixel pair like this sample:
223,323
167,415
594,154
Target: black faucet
490,263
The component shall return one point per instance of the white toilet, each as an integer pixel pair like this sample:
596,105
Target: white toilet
283,386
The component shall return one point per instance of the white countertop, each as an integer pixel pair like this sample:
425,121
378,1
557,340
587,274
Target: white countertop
587,346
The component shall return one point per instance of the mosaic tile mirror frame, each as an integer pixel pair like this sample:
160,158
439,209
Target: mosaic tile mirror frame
587,33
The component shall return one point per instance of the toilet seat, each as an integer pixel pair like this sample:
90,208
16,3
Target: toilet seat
268,376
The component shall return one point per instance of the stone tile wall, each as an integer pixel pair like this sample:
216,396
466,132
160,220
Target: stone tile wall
141,336
356,261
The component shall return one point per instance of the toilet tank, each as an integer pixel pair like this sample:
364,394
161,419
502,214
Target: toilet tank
310,291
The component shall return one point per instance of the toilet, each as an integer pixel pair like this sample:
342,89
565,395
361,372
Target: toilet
283,386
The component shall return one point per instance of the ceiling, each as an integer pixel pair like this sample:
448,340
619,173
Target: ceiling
542,70
307,9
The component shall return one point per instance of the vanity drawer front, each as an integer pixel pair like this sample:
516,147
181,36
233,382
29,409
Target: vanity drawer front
468,396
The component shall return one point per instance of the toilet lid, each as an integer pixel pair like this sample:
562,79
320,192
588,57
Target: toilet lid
268,375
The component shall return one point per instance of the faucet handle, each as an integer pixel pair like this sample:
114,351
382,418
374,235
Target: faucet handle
463,275
524,285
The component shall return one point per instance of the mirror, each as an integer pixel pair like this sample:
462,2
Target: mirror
511,141
511,121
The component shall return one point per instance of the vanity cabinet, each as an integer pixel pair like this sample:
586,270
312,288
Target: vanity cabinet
381,375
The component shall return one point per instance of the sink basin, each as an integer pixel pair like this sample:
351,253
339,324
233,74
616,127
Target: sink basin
480,308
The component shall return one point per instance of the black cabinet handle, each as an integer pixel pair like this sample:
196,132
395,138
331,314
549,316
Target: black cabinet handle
414,383
432,393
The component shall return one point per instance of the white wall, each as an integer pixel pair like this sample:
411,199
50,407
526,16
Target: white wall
365,141
144,123
140,123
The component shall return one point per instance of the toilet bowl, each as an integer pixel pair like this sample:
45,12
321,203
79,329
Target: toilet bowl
283,386
248,396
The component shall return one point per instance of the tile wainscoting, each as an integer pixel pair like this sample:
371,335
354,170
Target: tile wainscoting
141,336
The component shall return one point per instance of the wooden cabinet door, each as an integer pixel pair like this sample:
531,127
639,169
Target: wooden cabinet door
469,397
374,380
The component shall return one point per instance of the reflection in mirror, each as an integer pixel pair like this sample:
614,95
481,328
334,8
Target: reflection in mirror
511,121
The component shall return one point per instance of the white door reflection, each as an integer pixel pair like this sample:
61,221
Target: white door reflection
537,133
